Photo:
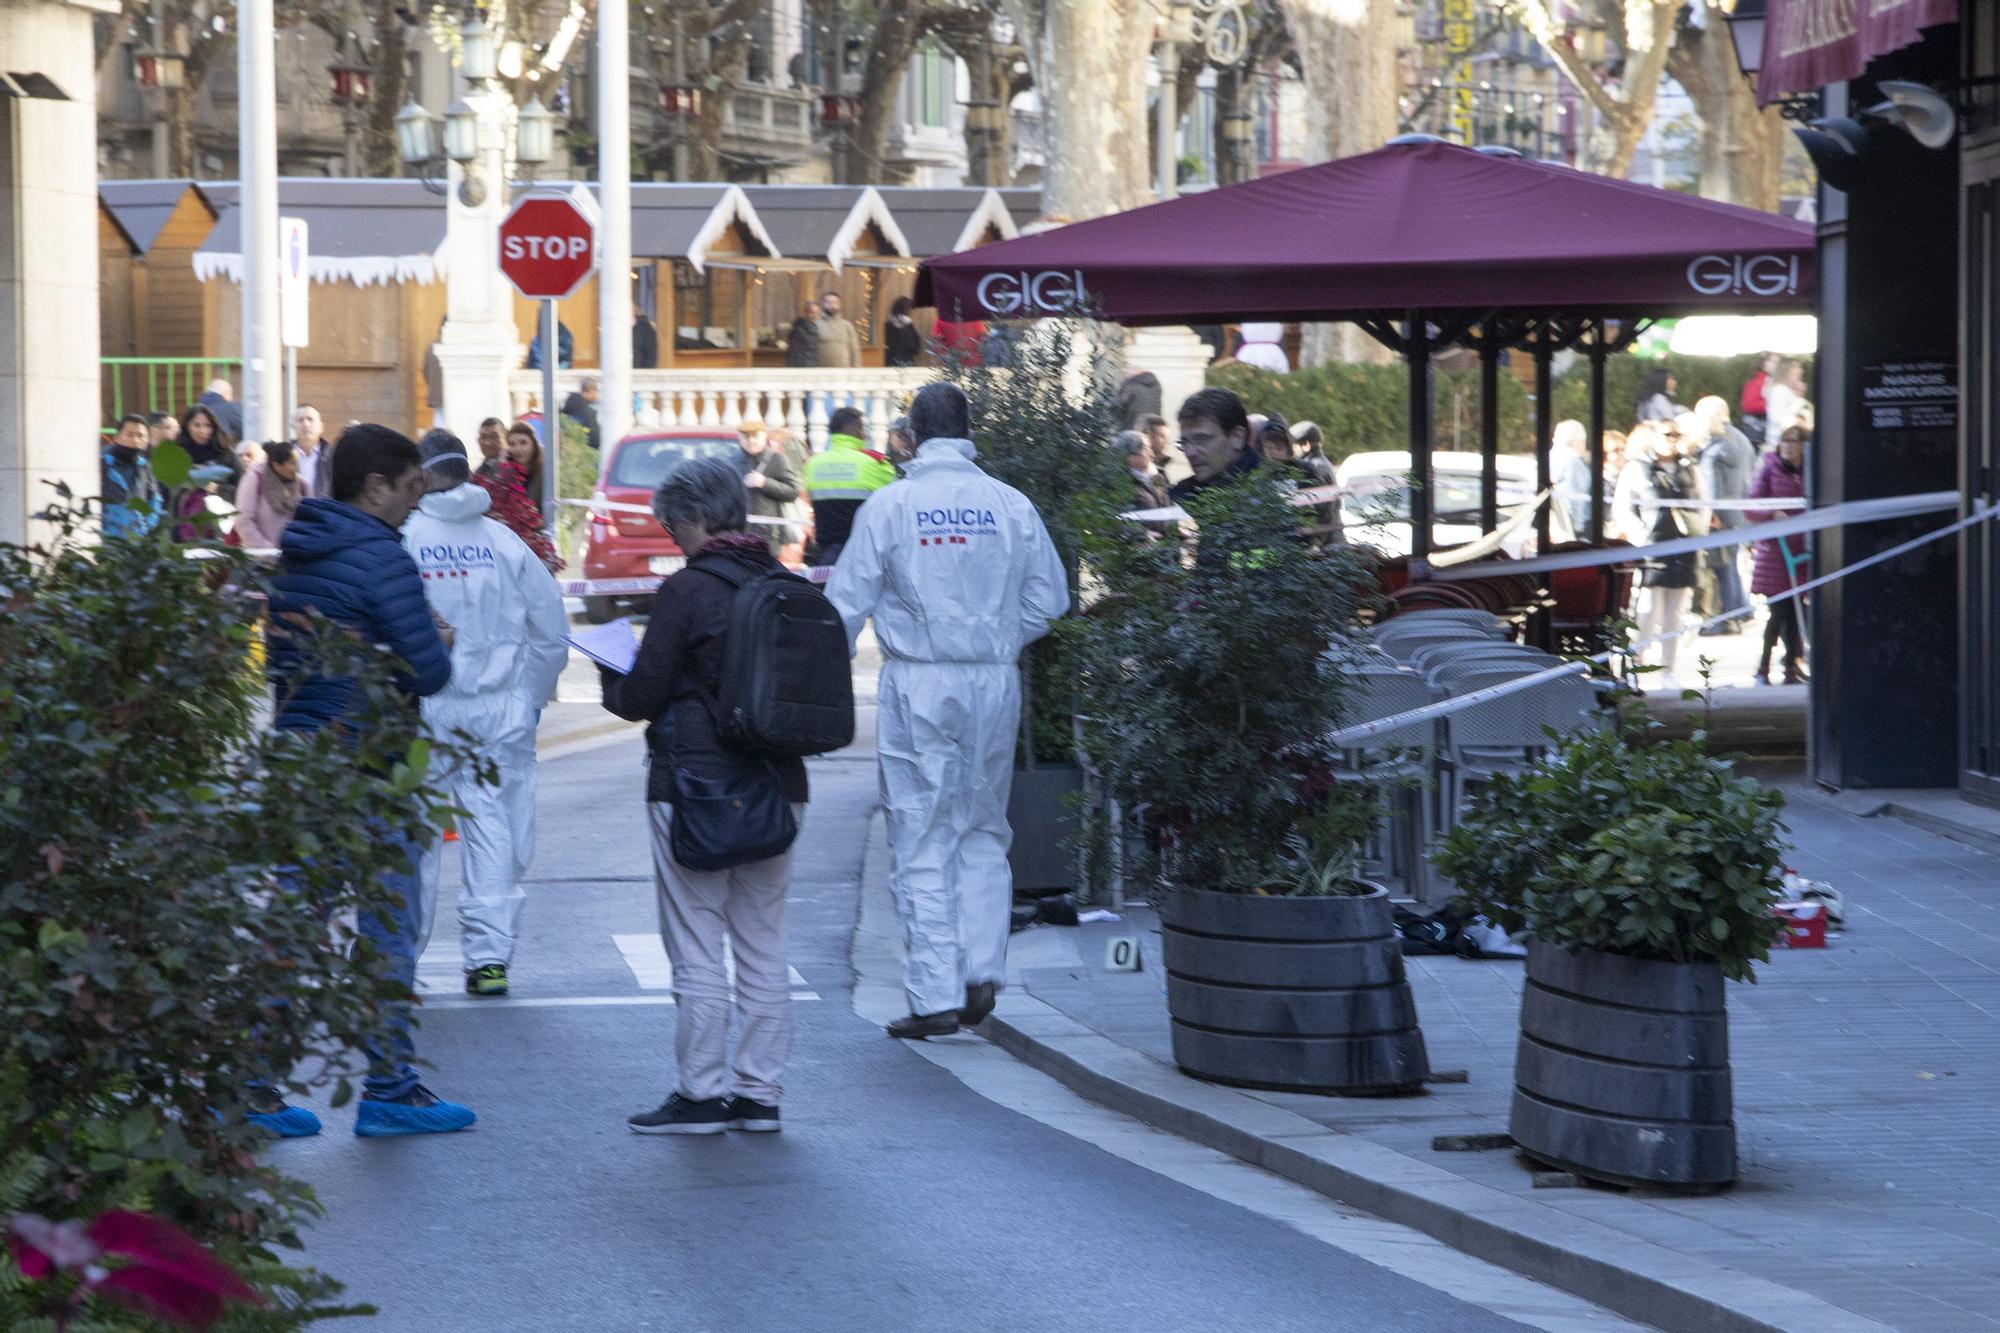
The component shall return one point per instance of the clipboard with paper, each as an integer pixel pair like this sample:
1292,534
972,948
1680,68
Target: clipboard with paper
612,645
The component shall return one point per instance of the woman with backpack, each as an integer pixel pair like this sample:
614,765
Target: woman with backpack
676,685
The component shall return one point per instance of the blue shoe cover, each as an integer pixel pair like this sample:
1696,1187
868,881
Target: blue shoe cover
383,1119
294,1122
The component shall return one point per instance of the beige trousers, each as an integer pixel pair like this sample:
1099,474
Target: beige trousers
707,919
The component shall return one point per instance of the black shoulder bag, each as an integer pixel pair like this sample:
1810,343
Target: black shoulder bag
730,818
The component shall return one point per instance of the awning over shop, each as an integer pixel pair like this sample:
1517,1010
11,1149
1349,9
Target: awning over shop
1811,43
946,221
140,209
360,231
832,223
1412,226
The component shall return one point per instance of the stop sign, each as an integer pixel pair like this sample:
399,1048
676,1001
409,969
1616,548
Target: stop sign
548,246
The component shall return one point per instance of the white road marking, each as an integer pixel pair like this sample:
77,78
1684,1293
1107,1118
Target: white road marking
441,974
1005,1081
647,957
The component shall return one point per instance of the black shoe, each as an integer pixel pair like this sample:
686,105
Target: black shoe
683,1115
755,1117
978,1003
917,1026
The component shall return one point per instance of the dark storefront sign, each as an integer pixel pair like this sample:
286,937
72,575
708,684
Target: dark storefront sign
1910,395
1809,44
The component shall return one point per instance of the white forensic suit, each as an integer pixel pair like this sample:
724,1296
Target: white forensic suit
959,574
506,613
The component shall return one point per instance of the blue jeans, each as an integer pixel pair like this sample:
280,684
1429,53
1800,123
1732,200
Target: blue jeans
389,1051
1728,580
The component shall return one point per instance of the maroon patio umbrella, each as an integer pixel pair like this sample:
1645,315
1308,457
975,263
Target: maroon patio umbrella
1414,226
1421,243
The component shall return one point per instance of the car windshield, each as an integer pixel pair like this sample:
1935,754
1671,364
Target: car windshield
644,464
1457,499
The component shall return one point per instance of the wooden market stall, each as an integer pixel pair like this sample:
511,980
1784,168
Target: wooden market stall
948,221
150,309
834,238
378,295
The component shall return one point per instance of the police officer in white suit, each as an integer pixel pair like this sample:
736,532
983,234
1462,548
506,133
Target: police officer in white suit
959,574
506,613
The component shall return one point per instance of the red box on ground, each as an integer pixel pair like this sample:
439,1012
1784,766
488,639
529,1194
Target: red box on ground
1805,924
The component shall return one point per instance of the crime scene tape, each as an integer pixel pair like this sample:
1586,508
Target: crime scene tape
1493,540
1852,511
1774,502
646,583
1317,495
613,507
1361,731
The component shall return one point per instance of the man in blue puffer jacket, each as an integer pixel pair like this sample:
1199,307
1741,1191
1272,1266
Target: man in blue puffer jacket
343,556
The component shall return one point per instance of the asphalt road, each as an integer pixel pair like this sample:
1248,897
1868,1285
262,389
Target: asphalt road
897,1197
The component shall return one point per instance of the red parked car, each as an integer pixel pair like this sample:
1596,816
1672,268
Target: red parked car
633,546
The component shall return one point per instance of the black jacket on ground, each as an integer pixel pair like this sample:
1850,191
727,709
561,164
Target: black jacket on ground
676,683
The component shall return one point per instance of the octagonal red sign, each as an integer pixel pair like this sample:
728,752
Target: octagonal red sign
548,246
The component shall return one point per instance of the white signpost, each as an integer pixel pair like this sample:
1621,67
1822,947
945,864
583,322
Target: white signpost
294,292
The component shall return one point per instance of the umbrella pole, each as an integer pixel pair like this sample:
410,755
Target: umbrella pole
1417,351
1542,626
1545,410
1598,351
1489,427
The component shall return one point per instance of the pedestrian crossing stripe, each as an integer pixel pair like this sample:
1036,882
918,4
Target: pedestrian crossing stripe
441,971
647,957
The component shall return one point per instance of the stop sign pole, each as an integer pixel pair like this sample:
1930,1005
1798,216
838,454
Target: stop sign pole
548,246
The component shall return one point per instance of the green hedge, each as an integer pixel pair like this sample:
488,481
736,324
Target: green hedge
1367,407
1359,408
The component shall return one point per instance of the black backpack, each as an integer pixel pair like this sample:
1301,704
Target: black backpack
786,688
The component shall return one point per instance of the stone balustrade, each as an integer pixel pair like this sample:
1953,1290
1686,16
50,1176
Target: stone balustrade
798,400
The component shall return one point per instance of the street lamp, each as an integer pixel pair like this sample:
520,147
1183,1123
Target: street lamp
461,132
1746,30
413,134
352,82
478,53
838,112
161,69
537,136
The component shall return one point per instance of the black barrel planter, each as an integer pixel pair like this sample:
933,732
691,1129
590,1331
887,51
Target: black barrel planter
1622,1074
1299,994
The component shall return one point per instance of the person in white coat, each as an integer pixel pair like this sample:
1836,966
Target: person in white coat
507,614
959,574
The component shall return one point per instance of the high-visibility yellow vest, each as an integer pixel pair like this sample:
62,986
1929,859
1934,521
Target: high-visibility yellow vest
847,470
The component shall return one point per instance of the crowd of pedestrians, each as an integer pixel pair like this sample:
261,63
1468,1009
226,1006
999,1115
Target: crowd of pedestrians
264,484
1685,472
445,561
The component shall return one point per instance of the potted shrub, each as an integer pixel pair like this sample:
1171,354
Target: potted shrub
1044,424
1646,876
151,958
1208,691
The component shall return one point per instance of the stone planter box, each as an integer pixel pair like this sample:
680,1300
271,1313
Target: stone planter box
1622,1073
1299,994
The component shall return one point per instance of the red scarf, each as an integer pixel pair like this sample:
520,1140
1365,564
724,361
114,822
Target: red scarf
513,509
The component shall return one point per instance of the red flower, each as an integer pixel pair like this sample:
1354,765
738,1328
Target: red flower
166,1275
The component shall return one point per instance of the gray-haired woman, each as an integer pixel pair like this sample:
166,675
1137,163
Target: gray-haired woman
674,686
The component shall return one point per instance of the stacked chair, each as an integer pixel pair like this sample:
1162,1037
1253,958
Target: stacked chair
1422,656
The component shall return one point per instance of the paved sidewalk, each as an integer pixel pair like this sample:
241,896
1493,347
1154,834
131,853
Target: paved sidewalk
1867,1082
